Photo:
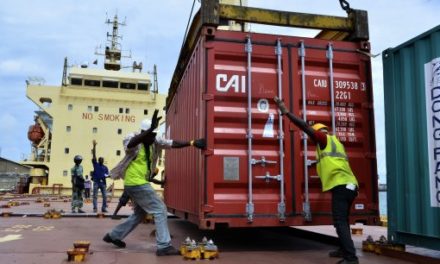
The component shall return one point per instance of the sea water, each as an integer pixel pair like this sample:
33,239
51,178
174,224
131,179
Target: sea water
383,203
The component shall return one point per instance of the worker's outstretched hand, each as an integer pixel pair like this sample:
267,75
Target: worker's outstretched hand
281,105
155,120
156,181
200,143
148,136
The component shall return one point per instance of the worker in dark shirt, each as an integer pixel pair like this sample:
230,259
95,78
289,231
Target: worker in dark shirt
100,172
336,176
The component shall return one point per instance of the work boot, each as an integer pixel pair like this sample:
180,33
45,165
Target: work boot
81,211
336,254
344,261
116,242
168,251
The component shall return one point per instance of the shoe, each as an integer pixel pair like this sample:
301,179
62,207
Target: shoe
95,210
73,212
344,261
81,211
336,254
116,242
104,211
168,251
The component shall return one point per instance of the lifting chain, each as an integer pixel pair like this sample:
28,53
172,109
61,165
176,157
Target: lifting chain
346,6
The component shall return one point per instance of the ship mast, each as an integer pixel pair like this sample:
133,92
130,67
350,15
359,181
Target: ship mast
113,53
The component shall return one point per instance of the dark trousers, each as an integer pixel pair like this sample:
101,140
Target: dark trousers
342,199
77,199
87,193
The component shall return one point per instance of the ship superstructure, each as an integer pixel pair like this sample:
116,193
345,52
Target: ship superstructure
91,104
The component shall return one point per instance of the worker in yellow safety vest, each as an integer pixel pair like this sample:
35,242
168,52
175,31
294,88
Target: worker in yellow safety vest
142,150
336,176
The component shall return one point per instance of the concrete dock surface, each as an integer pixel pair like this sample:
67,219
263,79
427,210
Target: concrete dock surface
26,237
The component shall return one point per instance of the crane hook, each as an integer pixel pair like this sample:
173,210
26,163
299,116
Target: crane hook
346,6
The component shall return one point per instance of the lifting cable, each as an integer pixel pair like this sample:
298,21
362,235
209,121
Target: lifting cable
346,6
187,24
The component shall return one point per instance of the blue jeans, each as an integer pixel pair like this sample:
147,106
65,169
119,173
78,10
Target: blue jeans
102,187
145,200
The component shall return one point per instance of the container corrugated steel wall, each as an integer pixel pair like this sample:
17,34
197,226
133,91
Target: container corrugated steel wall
210,187
412,219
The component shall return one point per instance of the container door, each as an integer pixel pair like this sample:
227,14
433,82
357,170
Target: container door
332,85
245,172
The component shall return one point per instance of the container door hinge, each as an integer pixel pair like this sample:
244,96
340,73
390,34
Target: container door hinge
207,208
209,44
207,97
208,152
367,105
370,155
372,206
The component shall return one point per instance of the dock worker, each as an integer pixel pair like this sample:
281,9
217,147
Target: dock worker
100,173
77,184
336,176
135,169
87,186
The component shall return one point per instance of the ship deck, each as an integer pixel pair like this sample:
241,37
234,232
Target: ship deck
27,237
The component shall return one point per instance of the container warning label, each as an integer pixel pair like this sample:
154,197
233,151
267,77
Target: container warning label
432,84
231,168
268,127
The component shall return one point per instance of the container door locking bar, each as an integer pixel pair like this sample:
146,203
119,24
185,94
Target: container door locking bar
332,92
281,204
306,203
249,205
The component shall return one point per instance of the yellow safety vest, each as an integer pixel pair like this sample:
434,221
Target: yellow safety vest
333,167
137,171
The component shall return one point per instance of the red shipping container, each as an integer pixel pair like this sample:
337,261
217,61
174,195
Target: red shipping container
223,186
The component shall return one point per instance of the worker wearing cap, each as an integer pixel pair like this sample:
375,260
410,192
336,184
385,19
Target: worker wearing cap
137,168
77,184
336,176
